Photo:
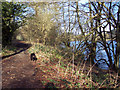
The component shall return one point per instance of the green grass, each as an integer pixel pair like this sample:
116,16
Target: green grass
9,50
52,80
43,82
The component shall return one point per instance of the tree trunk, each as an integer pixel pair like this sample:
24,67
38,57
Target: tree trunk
118,41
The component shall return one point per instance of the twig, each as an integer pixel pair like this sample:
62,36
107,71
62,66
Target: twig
67,68
91,69
103,82
73,59
116,81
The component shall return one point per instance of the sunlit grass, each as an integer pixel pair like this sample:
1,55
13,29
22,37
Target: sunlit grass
8,50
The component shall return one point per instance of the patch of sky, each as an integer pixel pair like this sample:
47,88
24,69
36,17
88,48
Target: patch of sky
30,11
83,1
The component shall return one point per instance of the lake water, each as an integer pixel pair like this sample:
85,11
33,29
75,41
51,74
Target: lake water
100,52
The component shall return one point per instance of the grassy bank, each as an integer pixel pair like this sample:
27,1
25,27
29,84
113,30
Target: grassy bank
8,50
57,65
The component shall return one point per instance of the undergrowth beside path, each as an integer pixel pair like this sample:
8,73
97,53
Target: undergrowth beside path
60,70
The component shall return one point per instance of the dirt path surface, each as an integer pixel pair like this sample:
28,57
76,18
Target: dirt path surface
18,71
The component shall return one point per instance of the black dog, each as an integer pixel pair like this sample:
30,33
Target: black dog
33,57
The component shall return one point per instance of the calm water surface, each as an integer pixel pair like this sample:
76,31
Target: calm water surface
100,53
